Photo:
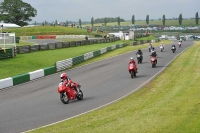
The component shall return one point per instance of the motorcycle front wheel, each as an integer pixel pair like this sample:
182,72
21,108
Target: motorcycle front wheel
132,74
64,98
80,95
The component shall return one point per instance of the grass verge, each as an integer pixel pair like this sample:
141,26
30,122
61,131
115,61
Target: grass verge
46,30
170,103
24,63
22,43
146,38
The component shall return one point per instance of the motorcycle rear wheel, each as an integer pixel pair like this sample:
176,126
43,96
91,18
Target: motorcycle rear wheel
153,65
80,95
64,98
138,61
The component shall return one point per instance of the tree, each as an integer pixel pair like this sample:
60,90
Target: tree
133,19
108,19
92,21
80,22
17,12
56,22
45,23
163,20
66,23
197,18
118,21
105,21
180,19
147,19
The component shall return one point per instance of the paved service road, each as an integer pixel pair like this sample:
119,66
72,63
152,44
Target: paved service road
43,41
37,103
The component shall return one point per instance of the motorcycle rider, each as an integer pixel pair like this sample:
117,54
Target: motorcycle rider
179,42
173,45
68,83
140,53
150,47
162,45
154,54
134,62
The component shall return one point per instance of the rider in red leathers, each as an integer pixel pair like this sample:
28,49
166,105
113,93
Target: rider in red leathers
134,62
68,83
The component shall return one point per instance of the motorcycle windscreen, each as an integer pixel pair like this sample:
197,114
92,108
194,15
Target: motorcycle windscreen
60,87
131,66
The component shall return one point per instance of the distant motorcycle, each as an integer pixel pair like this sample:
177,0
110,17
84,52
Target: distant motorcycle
173,49
161,48
153,61
139,58
179,44
132,70
69,93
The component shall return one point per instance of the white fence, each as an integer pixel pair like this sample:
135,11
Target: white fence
7,40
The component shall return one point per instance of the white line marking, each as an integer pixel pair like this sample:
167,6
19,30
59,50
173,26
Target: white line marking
114,100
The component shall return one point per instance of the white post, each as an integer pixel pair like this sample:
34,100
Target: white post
14,40
4,42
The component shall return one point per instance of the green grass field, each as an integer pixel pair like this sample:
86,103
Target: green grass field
146,38
46,30
169,104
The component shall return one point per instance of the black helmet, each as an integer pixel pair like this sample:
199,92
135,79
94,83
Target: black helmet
153,48
139,50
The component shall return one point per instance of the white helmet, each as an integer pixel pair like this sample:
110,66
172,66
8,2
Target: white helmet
131,59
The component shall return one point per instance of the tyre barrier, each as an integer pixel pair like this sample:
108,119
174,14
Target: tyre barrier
88,55
58,45
62,65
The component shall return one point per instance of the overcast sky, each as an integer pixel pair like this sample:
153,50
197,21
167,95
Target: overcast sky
73,10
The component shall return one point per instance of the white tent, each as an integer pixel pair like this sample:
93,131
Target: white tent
9,25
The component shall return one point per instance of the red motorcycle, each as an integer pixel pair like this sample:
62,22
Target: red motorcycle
132,69
153,61
69,93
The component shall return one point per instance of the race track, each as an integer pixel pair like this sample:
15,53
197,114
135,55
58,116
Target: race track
35,104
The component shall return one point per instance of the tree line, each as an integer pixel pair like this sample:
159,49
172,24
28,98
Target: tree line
180,19
20,13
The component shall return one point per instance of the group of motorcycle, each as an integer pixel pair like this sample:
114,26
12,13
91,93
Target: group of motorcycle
73,91
153,58
174,47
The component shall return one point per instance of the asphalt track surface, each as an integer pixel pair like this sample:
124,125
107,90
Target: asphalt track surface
43,41
35,104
